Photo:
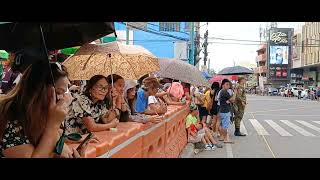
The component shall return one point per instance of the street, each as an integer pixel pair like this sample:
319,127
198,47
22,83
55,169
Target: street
276,127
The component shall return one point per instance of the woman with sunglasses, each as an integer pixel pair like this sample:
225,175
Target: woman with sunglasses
89,111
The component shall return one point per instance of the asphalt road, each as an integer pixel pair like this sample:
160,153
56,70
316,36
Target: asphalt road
277,127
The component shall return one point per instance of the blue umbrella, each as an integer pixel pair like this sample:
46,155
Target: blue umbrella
206,75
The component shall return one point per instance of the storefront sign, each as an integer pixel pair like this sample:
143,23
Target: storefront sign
279,38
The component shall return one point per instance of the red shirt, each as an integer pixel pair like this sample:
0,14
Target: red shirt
193,128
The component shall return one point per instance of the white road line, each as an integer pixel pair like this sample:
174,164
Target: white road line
259,128
229,151
290,115
278,128
243,128
318,122
297,128
311,126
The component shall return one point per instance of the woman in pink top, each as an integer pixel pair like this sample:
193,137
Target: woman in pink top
176,91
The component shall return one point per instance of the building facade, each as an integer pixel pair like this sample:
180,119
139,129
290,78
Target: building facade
163,39
306,56
261,70
274,59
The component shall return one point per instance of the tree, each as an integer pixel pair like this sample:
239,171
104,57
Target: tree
212,72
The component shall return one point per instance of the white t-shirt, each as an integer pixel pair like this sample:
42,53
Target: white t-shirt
152,100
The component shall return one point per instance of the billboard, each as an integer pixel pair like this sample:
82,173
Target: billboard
279,53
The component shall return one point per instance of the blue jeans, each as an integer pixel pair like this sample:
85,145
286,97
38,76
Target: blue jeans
225,120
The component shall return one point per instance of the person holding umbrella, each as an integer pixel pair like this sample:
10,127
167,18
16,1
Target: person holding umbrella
89,111
34,131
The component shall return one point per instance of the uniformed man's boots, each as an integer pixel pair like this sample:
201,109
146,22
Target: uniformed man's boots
238,133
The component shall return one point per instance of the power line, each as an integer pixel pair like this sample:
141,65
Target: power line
307,45
152,40
229,39
155,25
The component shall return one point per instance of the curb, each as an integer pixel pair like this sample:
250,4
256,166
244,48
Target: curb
188,151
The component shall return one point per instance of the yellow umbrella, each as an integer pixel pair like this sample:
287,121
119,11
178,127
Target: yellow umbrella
129,61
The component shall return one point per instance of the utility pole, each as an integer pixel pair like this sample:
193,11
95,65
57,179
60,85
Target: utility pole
191,50
127,34
205,48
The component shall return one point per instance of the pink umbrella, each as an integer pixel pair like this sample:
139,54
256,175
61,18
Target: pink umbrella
218,78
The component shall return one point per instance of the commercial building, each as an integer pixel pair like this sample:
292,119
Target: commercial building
261,70
274,58
163,39
306,52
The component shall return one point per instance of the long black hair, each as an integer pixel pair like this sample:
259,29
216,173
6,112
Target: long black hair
216,87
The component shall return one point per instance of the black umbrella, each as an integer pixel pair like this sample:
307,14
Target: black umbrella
35,39
235,70
17,36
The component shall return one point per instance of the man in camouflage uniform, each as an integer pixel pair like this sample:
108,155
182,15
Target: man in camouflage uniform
239,105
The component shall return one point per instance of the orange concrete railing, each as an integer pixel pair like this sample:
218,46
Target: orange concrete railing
136,140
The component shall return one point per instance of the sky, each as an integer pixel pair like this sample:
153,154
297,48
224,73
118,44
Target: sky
225,55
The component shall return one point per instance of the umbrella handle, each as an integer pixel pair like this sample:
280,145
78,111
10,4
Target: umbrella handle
47,55
113,105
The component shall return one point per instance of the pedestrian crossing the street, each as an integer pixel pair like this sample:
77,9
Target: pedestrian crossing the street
284,128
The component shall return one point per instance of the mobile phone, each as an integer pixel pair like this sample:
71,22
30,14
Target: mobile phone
85,142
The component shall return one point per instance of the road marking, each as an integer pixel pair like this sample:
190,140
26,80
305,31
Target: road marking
243,128
311,126
297,128
318,122
278,128
292,115
265,141
273,110
258,127
229,151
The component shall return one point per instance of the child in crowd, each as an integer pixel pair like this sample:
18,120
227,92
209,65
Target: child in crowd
197,132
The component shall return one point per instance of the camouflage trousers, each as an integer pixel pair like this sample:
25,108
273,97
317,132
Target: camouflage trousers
238,116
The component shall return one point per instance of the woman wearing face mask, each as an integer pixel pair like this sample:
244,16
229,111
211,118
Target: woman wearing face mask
31,117
130,98
89,111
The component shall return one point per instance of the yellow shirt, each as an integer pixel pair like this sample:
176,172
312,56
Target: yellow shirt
207,99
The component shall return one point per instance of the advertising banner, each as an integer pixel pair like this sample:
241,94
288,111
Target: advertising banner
279,53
